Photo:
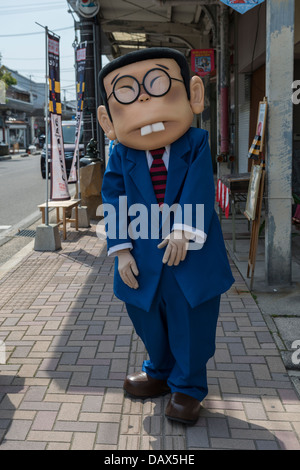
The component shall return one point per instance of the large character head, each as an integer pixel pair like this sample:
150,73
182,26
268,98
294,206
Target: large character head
149,98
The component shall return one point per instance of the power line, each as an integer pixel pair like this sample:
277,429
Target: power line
31,34
30,10
41,70
33,58
22,3
30,5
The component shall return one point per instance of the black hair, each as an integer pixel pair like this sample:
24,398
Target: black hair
145,54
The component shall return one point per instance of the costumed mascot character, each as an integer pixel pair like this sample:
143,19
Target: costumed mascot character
170,279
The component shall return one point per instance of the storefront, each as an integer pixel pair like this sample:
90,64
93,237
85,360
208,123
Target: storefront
17,134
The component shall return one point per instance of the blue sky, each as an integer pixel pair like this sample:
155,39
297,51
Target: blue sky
22,42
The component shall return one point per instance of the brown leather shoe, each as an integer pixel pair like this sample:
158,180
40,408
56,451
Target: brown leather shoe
183,408
142,385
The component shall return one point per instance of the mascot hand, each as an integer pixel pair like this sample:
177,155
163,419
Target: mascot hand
127,268
177,245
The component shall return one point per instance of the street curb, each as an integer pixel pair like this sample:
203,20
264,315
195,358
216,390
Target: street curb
24,154
5,157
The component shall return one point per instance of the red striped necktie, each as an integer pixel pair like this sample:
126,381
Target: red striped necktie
158,173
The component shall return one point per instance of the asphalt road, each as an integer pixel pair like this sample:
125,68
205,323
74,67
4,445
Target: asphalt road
22,189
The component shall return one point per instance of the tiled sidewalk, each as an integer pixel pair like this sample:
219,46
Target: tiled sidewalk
69,345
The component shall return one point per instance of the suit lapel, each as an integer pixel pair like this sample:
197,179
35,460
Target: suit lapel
178,167
140,175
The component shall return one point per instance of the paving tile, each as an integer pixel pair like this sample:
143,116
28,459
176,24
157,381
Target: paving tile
69,411
77,426
35,393
218,427
229,385
287,440
197,437
83,441
108,433
22,445
232,444
50,436
44,421
254,411
18,430
91,404
70,344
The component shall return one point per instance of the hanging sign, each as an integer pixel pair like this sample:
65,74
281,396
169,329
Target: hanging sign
59,190
80,87
242,6
202,61
258,141
88,8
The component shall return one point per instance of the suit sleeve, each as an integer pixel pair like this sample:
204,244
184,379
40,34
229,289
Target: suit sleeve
198,195
115,205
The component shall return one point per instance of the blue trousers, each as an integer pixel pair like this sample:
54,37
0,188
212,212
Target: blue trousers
179,339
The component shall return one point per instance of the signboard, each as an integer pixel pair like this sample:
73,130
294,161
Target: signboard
80,87
88,8
59,185
258,141
202,61
242,6
253,190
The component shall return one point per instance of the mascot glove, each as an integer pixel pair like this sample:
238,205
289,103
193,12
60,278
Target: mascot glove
127,268
177,246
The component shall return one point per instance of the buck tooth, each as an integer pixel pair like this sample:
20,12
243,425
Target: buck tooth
158,126
146,130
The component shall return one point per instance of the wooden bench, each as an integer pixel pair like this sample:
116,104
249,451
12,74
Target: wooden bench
64,205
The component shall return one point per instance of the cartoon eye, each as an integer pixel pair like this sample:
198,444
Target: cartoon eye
152,83
129,87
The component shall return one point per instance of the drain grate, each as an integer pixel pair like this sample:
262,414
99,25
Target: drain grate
25,233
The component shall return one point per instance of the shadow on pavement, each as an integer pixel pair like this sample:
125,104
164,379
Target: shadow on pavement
213,430
9,385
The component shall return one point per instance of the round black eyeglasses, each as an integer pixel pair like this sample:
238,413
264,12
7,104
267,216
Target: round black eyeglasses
156,82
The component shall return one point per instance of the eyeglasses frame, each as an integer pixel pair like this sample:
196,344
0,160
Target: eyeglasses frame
143,84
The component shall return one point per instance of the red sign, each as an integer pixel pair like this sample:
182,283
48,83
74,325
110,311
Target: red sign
202,61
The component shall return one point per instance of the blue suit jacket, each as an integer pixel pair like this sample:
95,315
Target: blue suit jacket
205,273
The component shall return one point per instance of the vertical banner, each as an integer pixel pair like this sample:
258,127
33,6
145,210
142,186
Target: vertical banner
80,87
242,6
202,61
59,185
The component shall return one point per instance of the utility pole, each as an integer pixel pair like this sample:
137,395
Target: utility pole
223,90
279,140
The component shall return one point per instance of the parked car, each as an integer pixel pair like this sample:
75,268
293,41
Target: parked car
41,140
68,130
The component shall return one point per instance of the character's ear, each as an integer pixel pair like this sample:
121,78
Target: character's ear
106,123
197,94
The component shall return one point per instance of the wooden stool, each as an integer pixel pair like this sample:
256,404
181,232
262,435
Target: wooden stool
65,205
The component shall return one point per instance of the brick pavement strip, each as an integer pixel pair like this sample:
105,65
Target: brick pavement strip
69,344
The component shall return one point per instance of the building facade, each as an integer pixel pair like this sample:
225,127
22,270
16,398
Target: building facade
22,115
256,56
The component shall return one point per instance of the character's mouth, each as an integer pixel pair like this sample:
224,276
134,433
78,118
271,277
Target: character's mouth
156,127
